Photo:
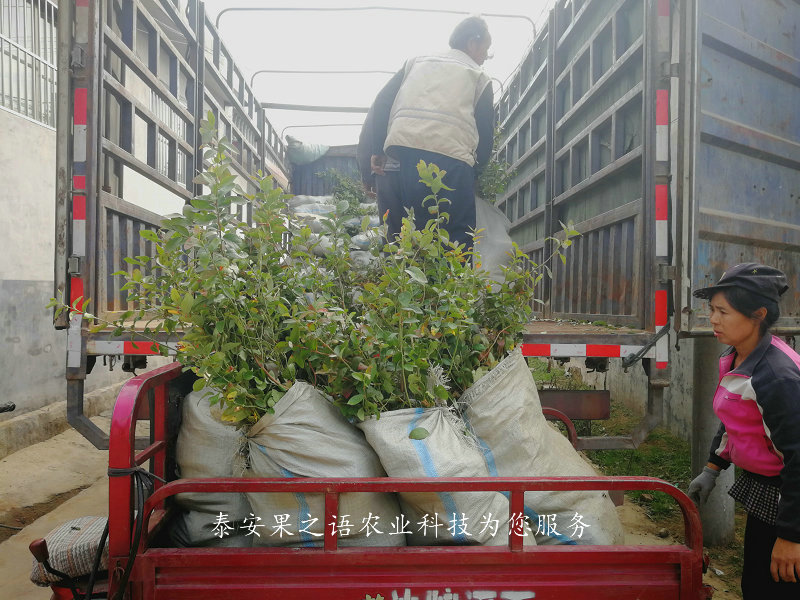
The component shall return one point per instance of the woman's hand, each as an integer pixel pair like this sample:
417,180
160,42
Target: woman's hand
785,563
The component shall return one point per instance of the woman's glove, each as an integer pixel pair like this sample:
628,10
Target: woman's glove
701,486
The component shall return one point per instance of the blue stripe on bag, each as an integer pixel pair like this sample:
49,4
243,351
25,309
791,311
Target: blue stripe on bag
430,470
492,466
305,536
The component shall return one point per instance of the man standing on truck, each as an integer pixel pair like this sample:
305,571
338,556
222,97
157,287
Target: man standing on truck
440,109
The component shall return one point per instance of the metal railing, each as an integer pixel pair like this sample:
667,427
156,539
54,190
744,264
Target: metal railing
28,58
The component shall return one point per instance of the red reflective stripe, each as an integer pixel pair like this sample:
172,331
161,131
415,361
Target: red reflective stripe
662,107
663,8
661,365
609,350
75,289
79,110
79,182
536,349
140,348
79,208
662,202
661,308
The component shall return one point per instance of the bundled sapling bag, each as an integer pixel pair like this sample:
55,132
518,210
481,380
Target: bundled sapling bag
307,436
207,447
446,450
504,411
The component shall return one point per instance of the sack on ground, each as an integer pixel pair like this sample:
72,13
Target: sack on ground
504,411
446,451
207,447
307,436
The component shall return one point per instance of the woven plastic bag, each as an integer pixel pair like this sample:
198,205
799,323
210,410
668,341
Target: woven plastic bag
493,245
206,447
307,436
446,451
504,412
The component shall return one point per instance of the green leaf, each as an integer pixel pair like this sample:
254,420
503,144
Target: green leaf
199,384
186,304
417,275
150,235
418,433
355,399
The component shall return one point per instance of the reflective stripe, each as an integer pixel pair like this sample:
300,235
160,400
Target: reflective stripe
74,343
79,237
142,347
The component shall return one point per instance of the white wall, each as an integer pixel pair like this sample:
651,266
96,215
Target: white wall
33,353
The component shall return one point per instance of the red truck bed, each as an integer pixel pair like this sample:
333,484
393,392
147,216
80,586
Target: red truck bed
512,572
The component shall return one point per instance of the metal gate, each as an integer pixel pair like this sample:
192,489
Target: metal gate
136,77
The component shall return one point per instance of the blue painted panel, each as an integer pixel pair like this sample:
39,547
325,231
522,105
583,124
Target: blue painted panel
746,183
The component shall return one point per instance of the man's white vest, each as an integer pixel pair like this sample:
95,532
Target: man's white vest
434,109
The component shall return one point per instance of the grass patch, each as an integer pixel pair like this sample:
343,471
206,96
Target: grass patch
550,374
662,455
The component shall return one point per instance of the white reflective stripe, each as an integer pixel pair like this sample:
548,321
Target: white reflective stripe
662,143
105,347
663,34
81,24
567,349
79,143
74,342
628,350
662,349
79,237
662,238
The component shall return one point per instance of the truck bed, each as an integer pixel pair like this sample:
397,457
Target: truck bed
561,338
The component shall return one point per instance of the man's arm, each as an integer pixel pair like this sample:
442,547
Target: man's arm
484,119
382,107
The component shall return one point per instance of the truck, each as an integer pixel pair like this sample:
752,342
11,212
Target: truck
642,122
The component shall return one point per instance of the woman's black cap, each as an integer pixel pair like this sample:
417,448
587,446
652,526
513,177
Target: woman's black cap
763,280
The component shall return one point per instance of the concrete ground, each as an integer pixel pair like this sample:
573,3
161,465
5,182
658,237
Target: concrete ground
41,487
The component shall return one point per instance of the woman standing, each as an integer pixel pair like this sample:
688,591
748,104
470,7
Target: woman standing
758,402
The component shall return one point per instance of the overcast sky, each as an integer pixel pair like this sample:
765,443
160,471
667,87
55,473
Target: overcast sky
354,40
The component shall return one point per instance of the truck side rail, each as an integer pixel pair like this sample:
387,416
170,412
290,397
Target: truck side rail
142,397
515,486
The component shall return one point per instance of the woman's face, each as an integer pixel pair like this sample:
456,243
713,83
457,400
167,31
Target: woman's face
730,326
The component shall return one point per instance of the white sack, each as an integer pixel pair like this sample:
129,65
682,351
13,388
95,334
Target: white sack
307,436
301,199
207,447
315,209
493,245
446,452
504,411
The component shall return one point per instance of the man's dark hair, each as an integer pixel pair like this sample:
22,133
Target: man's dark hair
748,303
469,29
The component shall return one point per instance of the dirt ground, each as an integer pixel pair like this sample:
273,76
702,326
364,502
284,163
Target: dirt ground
641,530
